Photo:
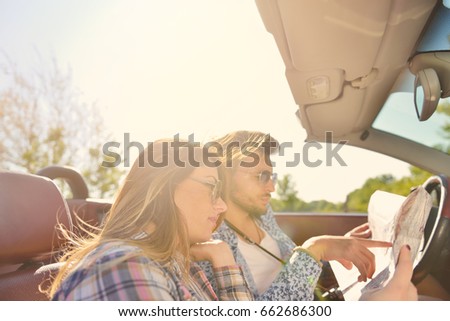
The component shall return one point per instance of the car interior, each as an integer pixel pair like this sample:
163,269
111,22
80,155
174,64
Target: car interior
344,59
348,64
372,75
30,237
29,228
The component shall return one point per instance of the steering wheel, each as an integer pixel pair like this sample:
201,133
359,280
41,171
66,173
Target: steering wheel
69,174
437,229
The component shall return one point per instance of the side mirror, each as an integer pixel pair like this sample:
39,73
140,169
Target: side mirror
427,91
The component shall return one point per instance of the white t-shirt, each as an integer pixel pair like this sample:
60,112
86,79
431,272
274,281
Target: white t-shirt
263,267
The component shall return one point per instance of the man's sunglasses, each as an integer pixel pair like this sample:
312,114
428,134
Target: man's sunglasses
266,176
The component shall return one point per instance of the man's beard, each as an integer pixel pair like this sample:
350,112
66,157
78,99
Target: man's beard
252,210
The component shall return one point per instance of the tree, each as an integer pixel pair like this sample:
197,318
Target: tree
287,200
444,108
44,121
358,200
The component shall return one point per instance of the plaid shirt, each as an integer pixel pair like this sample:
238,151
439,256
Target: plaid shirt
113,272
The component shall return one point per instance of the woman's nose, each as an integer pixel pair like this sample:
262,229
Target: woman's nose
220,205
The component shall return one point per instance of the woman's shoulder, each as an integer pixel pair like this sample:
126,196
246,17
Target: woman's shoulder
116,269
116,251
115,256
115,247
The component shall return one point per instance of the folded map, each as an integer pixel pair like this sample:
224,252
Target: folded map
394,218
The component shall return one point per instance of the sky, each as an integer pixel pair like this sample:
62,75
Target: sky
158,68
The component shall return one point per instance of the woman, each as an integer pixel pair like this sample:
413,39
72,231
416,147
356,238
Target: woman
161,220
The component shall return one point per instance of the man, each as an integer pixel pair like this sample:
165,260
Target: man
274,267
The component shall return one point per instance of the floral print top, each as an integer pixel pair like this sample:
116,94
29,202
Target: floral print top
297,278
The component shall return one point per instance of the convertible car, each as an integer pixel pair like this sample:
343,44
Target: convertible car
375,74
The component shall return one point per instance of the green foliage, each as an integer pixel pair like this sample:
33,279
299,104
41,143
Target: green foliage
287,200
44,121
444,108
358,200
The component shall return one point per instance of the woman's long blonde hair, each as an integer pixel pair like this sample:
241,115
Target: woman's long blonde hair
145,198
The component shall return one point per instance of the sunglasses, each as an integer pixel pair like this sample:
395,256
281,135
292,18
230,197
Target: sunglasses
266,176
216,188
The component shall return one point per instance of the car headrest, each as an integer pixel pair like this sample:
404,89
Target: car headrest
31,207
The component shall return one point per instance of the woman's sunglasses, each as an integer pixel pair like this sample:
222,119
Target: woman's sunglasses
216,188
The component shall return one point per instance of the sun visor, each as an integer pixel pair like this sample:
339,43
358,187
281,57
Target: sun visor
315,86
335,42
352,30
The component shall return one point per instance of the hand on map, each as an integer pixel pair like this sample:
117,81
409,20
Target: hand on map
400,287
